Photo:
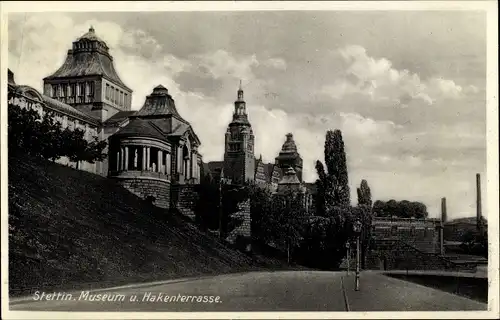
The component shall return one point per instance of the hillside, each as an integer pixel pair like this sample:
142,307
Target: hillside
70,229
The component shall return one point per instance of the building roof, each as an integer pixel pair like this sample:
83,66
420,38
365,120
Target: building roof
289,144
92,61
289,178
118,118
159,103
91,36
66,108
141,127
289,149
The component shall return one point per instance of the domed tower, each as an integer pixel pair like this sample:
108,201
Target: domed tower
88,81
289,157
239,160
156,150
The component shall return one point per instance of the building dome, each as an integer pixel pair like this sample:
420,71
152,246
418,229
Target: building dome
91,36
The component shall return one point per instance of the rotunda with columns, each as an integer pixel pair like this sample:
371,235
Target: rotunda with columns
155,151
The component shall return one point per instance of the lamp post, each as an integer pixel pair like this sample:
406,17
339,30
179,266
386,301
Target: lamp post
357,231
220,207
348,246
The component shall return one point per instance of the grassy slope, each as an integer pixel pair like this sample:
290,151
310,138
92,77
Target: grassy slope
72,229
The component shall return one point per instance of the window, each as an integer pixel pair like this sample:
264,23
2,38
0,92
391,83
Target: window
126,99
107,91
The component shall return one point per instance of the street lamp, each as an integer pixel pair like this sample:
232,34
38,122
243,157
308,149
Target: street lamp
220,206
348,246
357,231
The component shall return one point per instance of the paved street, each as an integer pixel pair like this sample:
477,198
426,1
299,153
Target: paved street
274,291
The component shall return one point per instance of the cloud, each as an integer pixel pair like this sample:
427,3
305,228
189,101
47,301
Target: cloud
379,80
276,63
222,64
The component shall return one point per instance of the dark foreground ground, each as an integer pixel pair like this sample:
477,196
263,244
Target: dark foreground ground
271,291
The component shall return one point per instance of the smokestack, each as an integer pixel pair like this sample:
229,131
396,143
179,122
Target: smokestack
444,216
478,202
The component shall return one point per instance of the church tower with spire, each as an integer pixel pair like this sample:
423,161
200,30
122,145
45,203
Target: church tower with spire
88,81
239,159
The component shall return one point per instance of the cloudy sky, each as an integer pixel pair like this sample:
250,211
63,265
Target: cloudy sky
407,89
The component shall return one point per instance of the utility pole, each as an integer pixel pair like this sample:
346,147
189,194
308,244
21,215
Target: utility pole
479,213
348,246
357,231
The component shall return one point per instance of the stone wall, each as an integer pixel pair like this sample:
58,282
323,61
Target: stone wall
184,198
422,234
400,256
144,188
241,235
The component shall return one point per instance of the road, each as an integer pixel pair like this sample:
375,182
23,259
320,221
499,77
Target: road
272,291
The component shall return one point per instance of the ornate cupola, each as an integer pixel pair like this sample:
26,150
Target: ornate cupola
290,157
88,80
159,103
240,112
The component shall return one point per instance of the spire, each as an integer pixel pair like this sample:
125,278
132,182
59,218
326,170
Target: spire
240,92
91,29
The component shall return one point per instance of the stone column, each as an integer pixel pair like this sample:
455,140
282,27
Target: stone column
168,165
180,163
192,164
126,158
143,158
160,164
148,158
118,167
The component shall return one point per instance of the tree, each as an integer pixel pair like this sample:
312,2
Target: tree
364,213
77,148
288,220
261,210
325,235
333,188
336,164
42,136
364,194
400,209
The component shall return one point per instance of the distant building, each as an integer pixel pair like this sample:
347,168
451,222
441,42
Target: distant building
454,230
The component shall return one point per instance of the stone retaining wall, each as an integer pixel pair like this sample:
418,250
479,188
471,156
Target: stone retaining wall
144,188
